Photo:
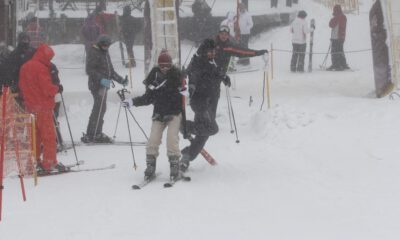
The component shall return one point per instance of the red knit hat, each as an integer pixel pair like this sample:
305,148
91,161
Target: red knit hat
164,60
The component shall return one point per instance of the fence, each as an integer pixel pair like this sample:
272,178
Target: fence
348,6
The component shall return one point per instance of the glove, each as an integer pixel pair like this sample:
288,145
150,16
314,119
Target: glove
192,89
127,103
125,81
261,52
60,88
226,80
105,83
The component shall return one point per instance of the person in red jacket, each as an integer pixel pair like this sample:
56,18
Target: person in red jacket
338,35
38,93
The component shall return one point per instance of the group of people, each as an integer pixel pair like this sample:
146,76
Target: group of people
300,29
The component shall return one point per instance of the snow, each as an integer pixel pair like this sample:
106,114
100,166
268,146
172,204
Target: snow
321,163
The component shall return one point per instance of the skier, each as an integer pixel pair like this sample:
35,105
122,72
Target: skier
338,35
90,32
129,27
20,55
204,88
35,32
225,49
201,15
245,26
38,93
163,86
299,29
101,73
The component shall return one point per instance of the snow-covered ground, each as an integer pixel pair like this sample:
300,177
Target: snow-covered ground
321,163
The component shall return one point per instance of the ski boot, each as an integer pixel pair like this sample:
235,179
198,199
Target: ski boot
40,170
61,167
151,167
174,167
185,162
86,138
102,138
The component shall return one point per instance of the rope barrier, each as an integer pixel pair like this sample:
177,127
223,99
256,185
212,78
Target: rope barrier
354,51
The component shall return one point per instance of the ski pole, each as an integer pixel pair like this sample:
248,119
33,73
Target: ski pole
323,65
137,123
233,116
130,138
229,110
69,129
116,124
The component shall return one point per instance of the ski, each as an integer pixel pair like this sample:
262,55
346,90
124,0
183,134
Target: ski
312,26
71,170
115,143
144,183
172,182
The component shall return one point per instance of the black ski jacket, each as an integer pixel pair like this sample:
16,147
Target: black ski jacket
13,63
163,91
99,66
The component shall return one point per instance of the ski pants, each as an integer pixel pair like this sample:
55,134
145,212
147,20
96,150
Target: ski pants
46,137
157,129
95,125
337,54
195,147
299,53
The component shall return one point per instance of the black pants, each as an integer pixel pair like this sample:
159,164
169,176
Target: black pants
95,125
244,42
195,147
299,53
337,54
57,124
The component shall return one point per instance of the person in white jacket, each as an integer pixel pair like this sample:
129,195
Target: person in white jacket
245,26
299,29
230,22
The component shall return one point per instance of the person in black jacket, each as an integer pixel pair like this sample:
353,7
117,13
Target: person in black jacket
163,86
20,55
226,48
204,88
101,73
129,26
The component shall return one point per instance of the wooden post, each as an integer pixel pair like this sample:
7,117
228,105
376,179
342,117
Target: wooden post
272,61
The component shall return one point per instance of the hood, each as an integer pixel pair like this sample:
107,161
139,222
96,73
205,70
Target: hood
44,54
337,10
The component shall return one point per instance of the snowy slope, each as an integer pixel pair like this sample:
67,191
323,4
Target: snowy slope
320,164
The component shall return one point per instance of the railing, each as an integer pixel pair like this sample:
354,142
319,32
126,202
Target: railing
348,6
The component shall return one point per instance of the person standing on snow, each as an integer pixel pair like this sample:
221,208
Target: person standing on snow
338,35
299,29
163,86
225,49
201,14
245,26
129,27
35,32
38,92
101,73
20,55
204,88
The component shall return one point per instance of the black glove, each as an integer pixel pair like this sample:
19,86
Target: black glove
60,88
226,80
261,52
125,81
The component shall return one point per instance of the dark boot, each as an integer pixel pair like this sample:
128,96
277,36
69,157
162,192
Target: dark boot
102,138
151,166
174,167
185,162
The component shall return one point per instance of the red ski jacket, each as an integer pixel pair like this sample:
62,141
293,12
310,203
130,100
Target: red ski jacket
338,23
35,82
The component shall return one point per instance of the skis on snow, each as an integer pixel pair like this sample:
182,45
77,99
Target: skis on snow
71,168
168,184
172,182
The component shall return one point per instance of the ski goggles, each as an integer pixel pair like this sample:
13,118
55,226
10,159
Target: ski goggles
224,28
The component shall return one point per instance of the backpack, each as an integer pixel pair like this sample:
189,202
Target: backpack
90,30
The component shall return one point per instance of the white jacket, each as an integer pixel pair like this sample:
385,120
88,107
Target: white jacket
245,23
299,29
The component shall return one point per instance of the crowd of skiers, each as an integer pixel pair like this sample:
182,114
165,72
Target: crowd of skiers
34,79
